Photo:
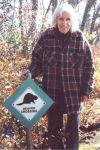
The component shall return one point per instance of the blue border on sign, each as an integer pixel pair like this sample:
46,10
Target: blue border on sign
28,83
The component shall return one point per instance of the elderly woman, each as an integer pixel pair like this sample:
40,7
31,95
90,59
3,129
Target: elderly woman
64,58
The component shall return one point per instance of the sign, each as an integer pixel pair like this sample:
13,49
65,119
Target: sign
28,103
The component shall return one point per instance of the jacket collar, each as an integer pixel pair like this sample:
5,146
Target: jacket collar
57,34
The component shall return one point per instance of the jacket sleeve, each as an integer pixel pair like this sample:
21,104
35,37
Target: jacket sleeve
88,71
35,66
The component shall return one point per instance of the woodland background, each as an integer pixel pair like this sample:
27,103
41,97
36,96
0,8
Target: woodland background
21,23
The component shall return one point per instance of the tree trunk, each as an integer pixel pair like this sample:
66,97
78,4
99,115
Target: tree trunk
73,2
20,18
54,4
95,16
89,4
32,28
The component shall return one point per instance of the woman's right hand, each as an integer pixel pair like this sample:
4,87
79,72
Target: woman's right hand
24,75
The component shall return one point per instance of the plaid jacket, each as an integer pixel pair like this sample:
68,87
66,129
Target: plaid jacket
66,65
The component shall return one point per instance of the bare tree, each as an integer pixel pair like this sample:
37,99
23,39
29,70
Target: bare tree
96,16
54,4
20,18
95,25
74,2
89,5
32,27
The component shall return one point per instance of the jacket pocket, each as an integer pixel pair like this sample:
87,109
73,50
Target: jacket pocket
50,59
76,59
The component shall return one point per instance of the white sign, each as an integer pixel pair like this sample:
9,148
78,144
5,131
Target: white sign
28,104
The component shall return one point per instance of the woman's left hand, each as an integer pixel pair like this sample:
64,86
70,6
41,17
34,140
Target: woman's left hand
84,99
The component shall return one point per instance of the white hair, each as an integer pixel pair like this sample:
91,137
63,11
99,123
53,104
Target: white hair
69,9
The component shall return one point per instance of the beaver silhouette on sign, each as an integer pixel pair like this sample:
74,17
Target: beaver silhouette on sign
28,98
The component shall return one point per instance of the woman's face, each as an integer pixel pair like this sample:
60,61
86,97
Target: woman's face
64,22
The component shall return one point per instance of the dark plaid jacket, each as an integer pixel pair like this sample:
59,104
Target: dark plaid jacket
66,65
